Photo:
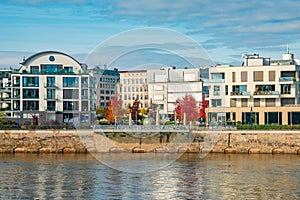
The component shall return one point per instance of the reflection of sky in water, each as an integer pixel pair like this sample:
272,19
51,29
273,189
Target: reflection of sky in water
218,176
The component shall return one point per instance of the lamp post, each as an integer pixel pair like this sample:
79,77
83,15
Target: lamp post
250,117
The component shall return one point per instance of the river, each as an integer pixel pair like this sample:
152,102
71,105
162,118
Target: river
217,176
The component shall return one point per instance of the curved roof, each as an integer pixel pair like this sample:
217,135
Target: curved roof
47,52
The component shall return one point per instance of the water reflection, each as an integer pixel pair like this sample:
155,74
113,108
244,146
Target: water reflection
218,176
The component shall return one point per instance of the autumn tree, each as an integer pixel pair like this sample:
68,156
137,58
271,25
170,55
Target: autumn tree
135,110
187,105
202,113
114,110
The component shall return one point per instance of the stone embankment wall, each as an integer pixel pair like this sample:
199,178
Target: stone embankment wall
82,141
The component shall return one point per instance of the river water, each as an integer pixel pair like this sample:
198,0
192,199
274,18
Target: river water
217,176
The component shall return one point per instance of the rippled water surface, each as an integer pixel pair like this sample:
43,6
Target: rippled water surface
218,176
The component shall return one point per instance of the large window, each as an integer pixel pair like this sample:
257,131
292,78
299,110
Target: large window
286,89
244,76
70,93
258,76
50,81
50,94
30,105
216,90
30,93
244,102
270,102
70,105
273,118
246,117
216,102
51,69
70,81
50,105
218,76
294,118
287,101
30,81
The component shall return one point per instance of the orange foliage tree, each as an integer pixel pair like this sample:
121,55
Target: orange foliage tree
114,110
187,105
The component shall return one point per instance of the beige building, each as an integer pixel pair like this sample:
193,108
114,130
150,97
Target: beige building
264,88
133,85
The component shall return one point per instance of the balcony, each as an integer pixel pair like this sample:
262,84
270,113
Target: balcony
287,79
240,94
266,94
214,81
50,97
50,108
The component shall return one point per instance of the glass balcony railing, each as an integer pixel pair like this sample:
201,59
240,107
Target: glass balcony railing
240,93
51,97
287,79
50,86
266,93
214,81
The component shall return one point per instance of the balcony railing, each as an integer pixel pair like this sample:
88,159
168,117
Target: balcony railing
281,79
46,97
241,93
50,86
266,93
214,81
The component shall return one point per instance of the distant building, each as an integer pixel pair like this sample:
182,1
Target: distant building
51,85
133,86
168,84
267,90
106,81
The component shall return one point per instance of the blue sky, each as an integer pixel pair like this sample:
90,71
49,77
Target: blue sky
225,29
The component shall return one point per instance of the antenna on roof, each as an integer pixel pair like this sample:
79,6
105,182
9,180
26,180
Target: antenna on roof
287,49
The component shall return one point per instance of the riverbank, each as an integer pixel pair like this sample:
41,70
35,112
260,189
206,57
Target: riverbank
83,141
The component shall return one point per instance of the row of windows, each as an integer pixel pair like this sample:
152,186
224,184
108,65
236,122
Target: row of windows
134,81
258,76
51,94
67,82
105,79
134,89
138,97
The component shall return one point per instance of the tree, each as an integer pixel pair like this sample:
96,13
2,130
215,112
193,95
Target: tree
114,110
202,113
187,105
135,110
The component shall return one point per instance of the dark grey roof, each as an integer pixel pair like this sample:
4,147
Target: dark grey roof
47,52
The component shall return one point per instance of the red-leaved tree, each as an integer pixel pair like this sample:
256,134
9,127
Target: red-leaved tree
187,105
114,110
203,106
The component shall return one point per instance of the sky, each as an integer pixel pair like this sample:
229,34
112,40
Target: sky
223,29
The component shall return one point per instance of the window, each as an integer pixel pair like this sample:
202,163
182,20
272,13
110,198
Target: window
286,89
50,94
50,105
84,106
50,69
84,118
273,118
70,94
50,81
233,76
246,117
258,76
232,102
216,90
270,102
30,105
30,81
287,101
226,89
69,69
271,75
70,81
244,76
34,69
218,76
216,102
84,94
244,102
30,93
257,102
70,105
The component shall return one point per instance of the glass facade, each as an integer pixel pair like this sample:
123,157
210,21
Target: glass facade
30,81
51,69
50,81
30,105
70,82
30,93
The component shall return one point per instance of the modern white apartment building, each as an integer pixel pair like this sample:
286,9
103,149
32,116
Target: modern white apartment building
133,85
51,85
267,90
168,84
